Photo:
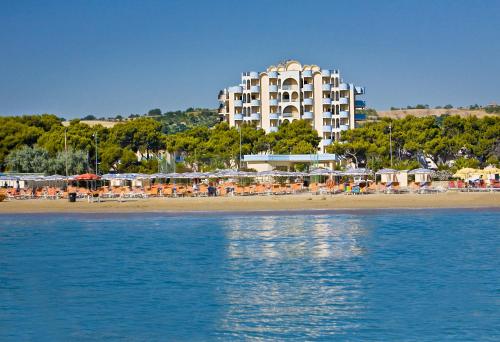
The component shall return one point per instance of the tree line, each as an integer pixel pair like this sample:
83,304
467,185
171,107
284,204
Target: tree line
450,141
42,144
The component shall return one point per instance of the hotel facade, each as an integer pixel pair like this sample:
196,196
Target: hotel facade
292,91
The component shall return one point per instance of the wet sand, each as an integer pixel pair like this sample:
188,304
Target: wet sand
258,203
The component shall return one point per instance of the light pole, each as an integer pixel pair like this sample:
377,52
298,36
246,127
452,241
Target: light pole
239,167
96,167
390,141
66,151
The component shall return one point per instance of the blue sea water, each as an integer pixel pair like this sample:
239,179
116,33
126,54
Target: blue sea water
361,276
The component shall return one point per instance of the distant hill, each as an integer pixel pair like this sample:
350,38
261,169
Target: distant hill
172,122
400,113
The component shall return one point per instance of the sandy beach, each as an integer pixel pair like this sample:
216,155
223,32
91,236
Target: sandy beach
259,203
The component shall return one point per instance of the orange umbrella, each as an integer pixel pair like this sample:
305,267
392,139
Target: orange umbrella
87,176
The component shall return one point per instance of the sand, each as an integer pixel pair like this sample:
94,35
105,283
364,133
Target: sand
259,203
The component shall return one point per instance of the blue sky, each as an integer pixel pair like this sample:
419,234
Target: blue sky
74,58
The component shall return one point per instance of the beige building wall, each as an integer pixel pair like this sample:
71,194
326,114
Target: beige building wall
264,98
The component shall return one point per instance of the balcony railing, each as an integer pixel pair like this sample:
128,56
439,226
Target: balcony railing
272,74
255,103
344,114
360,104
307,115
273,102
235,89
255,116
290,87
326,87
307,87
327,142
273,129
309,101
327,101
344,100
343,86
307,73
238,103
327,115
255,89
326,73
327,128
344,127
238,117
273,88
360,116
274,116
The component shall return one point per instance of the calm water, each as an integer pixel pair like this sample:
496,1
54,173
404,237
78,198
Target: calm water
405,275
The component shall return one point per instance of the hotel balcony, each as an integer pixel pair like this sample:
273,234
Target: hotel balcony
307,73
273,102
327,128
309,101
326,73
359,116
253,75
235,89
326,142
272,74
307,87
273,129
255,116
344,114
343,86
273,88
327,115
359,90
238,103
255,103
290,87
238,117
360,104
287,115
247,118
307,115
326,87
255,89
344,127
274,116
327,101
344,100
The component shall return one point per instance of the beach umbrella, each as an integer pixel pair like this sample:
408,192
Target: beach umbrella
323,172
491,170
356,172
421,171
466,172
8,178
87,176
386,172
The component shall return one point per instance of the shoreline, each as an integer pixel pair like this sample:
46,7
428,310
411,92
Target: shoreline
260,204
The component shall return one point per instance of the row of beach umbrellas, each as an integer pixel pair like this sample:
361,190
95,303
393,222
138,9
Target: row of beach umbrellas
359,172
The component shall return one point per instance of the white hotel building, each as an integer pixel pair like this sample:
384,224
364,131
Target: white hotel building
292,91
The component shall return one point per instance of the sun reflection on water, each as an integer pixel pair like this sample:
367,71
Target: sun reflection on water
292,274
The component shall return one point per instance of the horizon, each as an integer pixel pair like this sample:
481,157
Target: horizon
127,57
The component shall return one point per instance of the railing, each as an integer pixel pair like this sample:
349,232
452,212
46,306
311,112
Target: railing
327,115
307,115
290,87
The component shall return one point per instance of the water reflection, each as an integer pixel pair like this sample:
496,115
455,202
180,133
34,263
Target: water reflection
292,275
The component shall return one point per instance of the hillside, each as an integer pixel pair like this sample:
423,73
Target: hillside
401,113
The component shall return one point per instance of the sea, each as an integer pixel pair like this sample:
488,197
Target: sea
393,275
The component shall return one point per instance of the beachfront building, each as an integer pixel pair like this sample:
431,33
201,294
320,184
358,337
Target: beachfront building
292,91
